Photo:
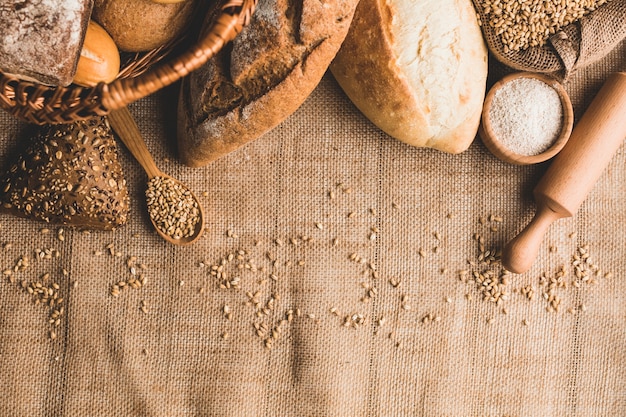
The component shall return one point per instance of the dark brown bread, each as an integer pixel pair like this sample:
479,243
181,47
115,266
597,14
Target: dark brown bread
262,78
68,174
41,40
142,25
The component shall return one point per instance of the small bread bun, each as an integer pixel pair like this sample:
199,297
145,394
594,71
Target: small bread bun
40,41
99,58
68,174
417,70
142,25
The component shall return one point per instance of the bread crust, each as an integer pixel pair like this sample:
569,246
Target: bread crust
261,79
41,40
68,174
142,25
370,71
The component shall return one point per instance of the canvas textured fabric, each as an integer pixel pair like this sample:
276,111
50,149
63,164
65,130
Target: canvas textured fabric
336,223
573,47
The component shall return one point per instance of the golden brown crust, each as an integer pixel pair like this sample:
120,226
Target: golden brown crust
267,73
415,105
366,57
142,25
99,59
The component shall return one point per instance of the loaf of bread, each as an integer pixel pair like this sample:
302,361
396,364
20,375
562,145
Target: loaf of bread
417,70
68,174
262,78
42,39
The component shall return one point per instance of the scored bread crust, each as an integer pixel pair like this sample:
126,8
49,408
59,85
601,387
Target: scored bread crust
263,77
397,84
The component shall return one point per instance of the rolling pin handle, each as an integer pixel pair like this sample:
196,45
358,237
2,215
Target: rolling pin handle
520,253
574,171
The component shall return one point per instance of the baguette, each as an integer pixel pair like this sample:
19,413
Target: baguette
417,70
262,78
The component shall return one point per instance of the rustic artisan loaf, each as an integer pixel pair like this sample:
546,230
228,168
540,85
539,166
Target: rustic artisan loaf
68,174
42,39
142,25
262,78
417,70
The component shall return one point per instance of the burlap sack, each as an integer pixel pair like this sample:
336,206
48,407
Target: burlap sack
573,47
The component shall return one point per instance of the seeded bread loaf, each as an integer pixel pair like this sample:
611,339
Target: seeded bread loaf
68,174
42,39
417,70
262,78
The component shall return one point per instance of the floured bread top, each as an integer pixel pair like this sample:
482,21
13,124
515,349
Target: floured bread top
439,50
42,39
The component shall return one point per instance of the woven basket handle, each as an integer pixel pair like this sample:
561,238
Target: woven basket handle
121,92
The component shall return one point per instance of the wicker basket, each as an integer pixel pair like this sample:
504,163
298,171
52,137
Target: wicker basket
141,76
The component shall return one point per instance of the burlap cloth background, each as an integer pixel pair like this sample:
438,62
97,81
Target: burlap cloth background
112,359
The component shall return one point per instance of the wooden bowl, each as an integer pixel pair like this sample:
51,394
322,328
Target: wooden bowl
495,145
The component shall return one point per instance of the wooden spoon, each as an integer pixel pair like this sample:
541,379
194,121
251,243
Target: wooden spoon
124,125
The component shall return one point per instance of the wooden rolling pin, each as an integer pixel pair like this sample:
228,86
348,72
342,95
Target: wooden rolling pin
574,171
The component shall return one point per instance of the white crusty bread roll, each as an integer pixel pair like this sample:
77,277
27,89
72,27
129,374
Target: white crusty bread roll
417,70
